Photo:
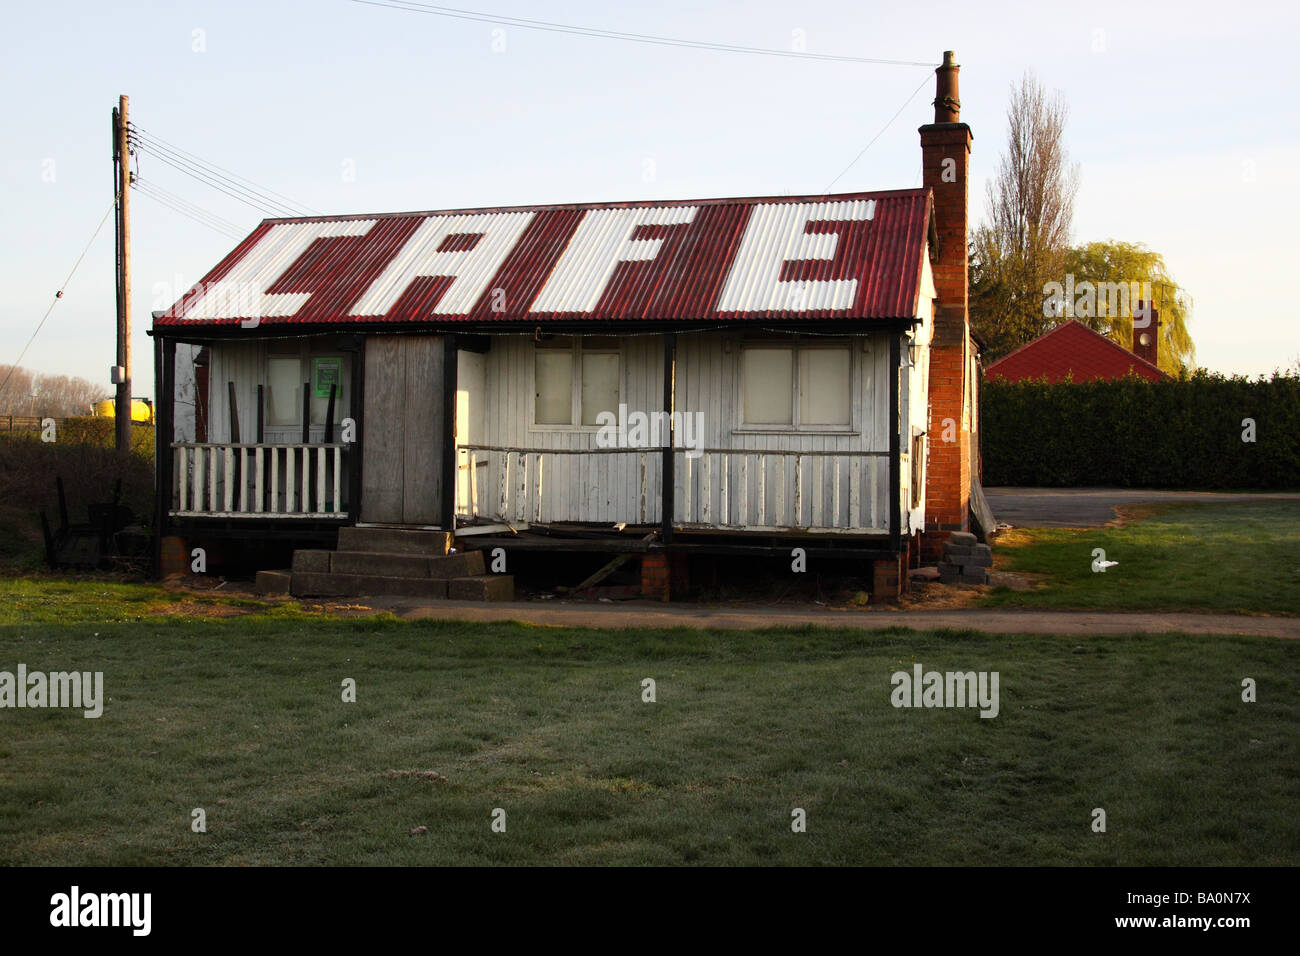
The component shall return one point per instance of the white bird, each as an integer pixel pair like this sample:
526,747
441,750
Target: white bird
1103,565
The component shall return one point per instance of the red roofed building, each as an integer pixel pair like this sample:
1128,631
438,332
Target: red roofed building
1074,351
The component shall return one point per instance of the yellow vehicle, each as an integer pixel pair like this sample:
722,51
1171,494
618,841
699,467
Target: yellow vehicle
141,410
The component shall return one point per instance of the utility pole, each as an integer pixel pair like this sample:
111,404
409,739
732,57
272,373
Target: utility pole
122,182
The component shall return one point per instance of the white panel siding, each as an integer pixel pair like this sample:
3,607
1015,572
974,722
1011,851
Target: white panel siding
745,479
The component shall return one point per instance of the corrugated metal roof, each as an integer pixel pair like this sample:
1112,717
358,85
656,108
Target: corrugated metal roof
850,256
1074,350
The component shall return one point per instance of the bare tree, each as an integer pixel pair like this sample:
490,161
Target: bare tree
58,396
1030,211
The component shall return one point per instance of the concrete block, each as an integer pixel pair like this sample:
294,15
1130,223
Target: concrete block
462,564
388,565
272,582
311,560
962,538
312,584
394,541
482,587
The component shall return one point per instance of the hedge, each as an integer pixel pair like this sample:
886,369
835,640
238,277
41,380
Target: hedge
1134,433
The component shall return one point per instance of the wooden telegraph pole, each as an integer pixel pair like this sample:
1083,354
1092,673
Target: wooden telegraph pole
122,371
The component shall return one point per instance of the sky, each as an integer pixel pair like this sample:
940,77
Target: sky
1182,119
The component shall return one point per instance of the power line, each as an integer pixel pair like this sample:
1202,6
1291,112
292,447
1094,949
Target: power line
864,149
178,157
551,27
58,295
288,201
159,192
153,189
248,197
193,212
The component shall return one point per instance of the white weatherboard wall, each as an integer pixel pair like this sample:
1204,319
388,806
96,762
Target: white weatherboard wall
765,487
915,399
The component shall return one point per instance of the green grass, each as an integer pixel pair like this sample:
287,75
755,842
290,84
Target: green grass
1239,557
243,717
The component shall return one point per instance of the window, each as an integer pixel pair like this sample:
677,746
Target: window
285,376
575,380
284,389
797,386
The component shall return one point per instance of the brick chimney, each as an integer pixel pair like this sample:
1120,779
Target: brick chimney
1146,332
945,155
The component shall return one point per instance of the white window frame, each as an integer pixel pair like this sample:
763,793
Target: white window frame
306,351
795,345
578,348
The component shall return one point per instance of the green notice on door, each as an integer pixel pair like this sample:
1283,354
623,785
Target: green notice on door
326,372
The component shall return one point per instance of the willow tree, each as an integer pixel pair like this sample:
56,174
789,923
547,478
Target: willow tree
1023,244
1119,274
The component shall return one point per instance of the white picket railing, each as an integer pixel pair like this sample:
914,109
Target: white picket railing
720,488
251,480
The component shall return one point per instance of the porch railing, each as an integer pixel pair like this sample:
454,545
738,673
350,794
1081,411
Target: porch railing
721,488
270,481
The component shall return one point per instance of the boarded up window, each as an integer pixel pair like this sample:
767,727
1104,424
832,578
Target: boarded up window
284,389
554,395
769,392
824,387
599,385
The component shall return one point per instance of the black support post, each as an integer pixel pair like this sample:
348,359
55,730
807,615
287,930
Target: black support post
669,478
164,376
352,454
449,362
895,515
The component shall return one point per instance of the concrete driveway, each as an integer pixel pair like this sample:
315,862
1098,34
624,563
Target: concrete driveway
1093,507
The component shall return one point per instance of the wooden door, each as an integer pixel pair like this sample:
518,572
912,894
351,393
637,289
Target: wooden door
401,476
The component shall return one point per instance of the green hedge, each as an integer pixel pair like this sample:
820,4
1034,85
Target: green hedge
1181,433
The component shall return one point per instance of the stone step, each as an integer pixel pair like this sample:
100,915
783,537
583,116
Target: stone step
482,587
316,584
459,565
394,541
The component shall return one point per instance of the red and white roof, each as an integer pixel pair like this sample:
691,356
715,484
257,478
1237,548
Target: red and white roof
849,256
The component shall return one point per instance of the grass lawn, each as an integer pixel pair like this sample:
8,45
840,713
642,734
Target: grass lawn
243,717
1237,557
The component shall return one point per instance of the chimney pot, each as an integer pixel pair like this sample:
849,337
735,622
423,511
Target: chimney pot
947,102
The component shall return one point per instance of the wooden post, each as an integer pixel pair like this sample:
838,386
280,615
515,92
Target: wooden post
164,432
122,160
667,491
895,486
450,361
353,455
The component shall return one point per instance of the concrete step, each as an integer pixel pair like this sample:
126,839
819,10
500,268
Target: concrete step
482,587
479,587
459,565
316,584
394,541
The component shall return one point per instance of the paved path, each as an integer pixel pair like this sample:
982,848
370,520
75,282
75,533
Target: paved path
643,614
1093,507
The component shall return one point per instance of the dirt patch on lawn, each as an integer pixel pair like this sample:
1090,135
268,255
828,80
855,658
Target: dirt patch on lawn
205,596
1127,514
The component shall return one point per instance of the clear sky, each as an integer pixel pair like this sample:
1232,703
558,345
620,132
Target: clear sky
1183,117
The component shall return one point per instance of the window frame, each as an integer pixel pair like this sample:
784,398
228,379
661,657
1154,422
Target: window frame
305,352
795,345
577,348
